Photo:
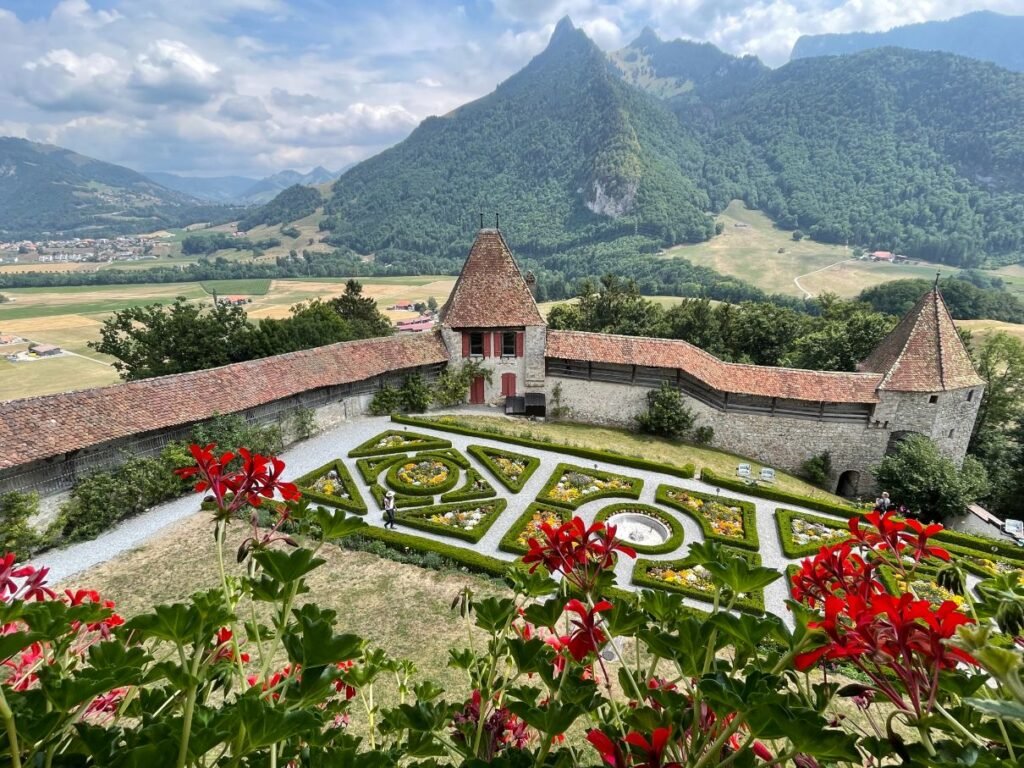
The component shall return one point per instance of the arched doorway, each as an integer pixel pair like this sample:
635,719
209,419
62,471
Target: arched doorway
848,482
896,438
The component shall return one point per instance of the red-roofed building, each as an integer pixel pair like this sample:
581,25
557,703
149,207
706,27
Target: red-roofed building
883,256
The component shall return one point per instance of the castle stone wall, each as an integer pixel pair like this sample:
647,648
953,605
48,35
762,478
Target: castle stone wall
781,442
528,369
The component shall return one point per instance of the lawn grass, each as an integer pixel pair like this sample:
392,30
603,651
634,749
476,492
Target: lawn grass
849,279
49,376
633,444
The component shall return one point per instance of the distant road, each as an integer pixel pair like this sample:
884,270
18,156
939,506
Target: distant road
808,294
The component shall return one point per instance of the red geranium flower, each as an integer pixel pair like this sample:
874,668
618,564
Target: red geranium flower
578,552
259,477
586,636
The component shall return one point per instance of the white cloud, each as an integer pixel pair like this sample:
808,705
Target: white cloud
243,109
604,32
64,81
170,71
429,82
358,124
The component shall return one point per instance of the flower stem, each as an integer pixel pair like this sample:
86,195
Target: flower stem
12,731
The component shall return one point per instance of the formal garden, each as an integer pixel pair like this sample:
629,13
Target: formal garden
650,614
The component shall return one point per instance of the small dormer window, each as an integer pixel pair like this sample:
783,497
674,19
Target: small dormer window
476,344
508,344
933,399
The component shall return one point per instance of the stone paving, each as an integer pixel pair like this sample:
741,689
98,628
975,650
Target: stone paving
308,455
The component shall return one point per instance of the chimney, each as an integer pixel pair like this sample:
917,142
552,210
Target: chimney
531,283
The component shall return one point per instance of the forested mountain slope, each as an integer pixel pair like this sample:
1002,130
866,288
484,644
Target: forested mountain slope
920,153
981,35
44,188
565,151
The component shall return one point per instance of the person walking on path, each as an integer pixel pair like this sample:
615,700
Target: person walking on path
389,509
882,502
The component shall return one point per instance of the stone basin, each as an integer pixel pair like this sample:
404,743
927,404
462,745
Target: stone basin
636,528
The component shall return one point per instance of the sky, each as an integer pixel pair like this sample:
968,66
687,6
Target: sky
251,87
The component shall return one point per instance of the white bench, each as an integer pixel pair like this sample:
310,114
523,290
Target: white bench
767,475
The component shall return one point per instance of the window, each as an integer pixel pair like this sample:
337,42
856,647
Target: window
970,396
476,344
951,432
933,399
508,344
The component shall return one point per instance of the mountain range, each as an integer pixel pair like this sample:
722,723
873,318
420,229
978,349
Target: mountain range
44,188
982,35
587,155
241,189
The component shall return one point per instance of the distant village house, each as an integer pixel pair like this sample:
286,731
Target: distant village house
45,350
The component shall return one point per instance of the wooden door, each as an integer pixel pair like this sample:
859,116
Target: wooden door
508,384
476,391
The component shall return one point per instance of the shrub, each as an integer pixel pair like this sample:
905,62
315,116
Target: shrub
703,435
414,394
817,469
386,400
666,414
231,431
16,533
452,386
777,494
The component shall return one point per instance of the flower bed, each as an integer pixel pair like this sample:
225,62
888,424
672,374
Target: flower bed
332,484
770,492
571,486
987,567
674,541
475,487
423,475
398,441
468,521
511,469
803,535
610,457
720,518
528,526
693,581
401,499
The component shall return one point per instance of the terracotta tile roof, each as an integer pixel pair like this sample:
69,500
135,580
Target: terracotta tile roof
490,291
765,381
41,427
924,352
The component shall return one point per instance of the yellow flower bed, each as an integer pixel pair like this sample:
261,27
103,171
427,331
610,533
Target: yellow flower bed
723,520
532,528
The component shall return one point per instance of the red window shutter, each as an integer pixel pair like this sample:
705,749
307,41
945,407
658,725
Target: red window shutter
487,344
519,343
465,344
496,344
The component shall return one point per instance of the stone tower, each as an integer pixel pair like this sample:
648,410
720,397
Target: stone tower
929,385
491,317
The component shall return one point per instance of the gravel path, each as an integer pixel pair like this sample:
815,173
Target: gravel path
317,451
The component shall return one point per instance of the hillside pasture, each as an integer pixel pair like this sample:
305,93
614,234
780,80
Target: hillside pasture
850,278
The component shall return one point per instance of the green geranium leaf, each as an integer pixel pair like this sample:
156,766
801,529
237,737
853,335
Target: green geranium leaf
178,623
289,566
528,655
1007,710
335,524
544,614
623,620
536,584
662,606
316,644
494,614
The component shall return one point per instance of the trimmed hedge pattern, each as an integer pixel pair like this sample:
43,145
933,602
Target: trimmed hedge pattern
400,486
355,501
510,541
632,492
371,468
475,487
401,500
766,492
982,544
675,539
408,441
753,603
792,548
686,471
421,518
486,456
748,514
469,559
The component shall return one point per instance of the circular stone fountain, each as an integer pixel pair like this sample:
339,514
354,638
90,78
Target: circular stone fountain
636,528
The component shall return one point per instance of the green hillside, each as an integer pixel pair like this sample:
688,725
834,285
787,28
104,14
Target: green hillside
47,189
565,151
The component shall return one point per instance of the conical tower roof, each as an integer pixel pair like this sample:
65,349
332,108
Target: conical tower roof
491,291
924,353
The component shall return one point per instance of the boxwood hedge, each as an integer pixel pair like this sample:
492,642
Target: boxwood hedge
510,543
777,494
486,457
462,556
611,457
673,542
400,486
401,500
420,518
632,492
475,487
753,603
790,547
408,441
355,501
747,512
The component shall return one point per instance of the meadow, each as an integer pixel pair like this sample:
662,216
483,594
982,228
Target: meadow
72,316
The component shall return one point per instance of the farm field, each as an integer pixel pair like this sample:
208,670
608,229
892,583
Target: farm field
71,316
748,249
